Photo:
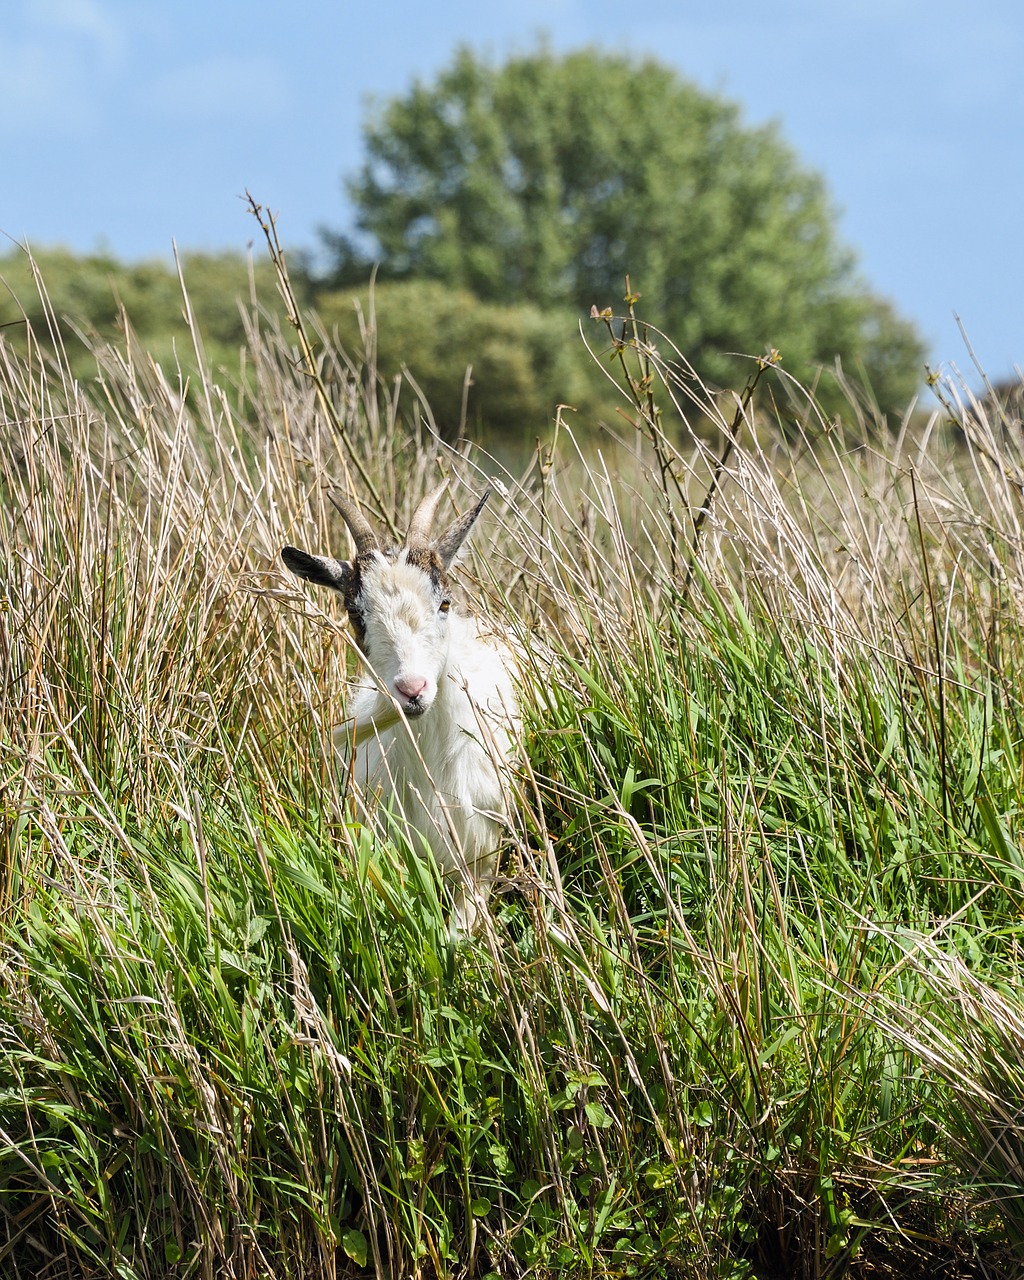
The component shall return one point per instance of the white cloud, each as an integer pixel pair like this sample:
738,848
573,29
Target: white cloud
225,87
57,56
83,18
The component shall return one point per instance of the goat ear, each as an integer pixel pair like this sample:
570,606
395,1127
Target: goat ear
319,569
453,537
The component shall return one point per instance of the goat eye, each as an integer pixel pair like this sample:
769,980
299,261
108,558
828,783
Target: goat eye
444,606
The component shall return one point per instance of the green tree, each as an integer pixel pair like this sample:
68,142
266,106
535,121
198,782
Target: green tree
521,360
547,179
87,292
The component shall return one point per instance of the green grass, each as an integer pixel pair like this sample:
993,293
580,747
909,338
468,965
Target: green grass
747,1001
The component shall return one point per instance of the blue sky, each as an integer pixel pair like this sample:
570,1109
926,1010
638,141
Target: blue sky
131,125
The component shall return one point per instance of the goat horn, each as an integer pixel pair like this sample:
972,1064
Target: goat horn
448,543
361,529
423,517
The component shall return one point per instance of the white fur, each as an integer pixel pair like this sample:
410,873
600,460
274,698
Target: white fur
440,760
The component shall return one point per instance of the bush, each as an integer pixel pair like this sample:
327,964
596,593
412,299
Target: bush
88,294
483,368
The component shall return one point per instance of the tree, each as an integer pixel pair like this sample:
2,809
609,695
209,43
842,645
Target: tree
86,293
522,360
547,179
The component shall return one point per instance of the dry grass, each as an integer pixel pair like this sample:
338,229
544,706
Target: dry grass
721,1020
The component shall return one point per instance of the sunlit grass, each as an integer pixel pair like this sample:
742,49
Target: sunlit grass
746,1002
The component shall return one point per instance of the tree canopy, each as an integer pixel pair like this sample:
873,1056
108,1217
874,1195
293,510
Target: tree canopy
90,291
549,178
484,368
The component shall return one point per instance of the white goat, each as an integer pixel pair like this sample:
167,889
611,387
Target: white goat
434,720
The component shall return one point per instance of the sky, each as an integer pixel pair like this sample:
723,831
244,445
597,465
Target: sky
132,126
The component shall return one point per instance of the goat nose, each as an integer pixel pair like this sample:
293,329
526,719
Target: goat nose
411,686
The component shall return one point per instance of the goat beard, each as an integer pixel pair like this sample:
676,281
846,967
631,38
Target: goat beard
353,733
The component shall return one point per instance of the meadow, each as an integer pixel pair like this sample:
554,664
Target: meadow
747,1003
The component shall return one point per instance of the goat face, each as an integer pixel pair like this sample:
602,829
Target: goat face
398,600
400,606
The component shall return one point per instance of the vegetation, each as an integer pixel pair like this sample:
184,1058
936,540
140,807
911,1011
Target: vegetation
92,295
490,372
548,179
747,1003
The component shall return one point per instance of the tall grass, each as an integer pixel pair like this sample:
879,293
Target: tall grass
747,1000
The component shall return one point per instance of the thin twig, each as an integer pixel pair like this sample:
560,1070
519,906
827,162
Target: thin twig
268,225
732,437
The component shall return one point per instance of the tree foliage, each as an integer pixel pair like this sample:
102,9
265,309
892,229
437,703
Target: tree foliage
492,370
482,368
90,294
550,178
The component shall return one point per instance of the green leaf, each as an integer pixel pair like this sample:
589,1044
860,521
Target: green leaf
597,1116
354,1244
703,1114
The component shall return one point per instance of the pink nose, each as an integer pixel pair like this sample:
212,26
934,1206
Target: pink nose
411,686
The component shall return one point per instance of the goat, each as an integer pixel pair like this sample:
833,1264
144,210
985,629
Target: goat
434,720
